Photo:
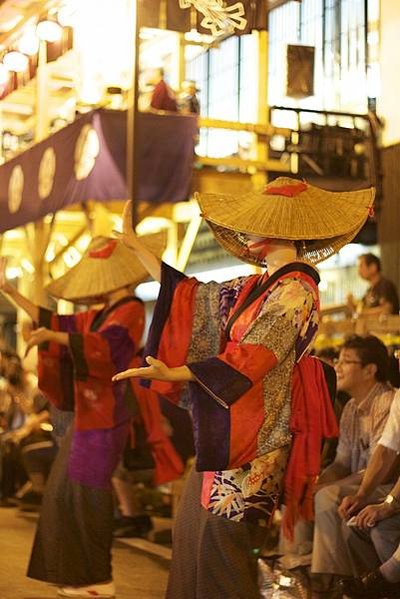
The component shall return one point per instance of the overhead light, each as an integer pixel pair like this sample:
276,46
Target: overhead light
66,15
13,272
49,31
4,74
29,43
72,256
28,265
50,252
16,61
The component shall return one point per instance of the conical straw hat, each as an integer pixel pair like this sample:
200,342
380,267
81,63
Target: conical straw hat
107,265
323,221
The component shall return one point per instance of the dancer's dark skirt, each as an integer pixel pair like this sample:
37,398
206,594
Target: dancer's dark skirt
213,558
73,540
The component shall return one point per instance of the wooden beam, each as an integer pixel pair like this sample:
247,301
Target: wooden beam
267,130
234,162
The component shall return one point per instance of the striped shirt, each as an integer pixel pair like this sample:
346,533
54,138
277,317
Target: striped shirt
361,427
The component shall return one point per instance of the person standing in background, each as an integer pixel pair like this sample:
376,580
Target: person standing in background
188,101
381,296
163,97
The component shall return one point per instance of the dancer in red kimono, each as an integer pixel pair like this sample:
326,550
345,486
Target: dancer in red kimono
236,355
78,355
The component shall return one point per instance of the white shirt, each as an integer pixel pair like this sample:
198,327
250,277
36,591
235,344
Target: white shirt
391,433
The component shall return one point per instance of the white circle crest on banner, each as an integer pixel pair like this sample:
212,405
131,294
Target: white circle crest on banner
15,188
86,151
47,170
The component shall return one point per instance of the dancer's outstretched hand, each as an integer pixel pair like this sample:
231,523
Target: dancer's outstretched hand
156,370
128,235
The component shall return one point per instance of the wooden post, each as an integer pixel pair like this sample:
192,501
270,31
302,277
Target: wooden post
42,94
132,115
41,232
260,178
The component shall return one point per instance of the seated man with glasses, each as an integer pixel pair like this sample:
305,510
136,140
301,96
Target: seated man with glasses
373,536
362,371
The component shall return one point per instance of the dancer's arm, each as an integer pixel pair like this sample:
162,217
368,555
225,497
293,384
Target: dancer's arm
151,263
14,296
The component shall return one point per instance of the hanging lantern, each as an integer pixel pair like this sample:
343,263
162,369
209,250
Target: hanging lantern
217,17
29,43
67,14
16,61
49,31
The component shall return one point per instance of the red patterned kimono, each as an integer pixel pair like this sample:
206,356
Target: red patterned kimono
242,346
242,340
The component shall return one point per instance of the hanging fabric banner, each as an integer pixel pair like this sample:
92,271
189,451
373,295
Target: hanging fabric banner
87,161
168,14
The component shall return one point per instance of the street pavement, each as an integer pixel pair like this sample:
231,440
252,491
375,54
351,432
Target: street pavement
140,567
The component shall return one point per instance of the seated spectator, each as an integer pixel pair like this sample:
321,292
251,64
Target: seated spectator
12,472
381,296
330,355
29,446
362,373
372,535
163,97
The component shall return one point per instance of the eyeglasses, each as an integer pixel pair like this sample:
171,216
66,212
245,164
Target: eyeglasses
338,362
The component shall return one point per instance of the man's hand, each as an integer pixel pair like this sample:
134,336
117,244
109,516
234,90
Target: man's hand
350,505
372,514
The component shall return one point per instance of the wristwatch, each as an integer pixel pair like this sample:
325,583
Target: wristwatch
393,501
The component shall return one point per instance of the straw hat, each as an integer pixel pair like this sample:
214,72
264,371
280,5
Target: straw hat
323,221
106,266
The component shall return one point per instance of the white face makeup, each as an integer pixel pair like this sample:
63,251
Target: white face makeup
256,244
266,245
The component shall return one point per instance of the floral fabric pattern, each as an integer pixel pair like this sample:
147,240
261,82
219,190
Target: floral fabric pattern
249,493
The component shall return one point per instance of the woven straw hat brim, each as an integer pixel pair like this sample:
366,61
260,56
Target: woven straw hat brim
323,221
92,278
314,214
312,251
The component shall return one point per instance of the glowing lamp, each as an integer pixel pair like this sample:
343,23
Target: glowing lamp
66,15
29,43
49,31
16,61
